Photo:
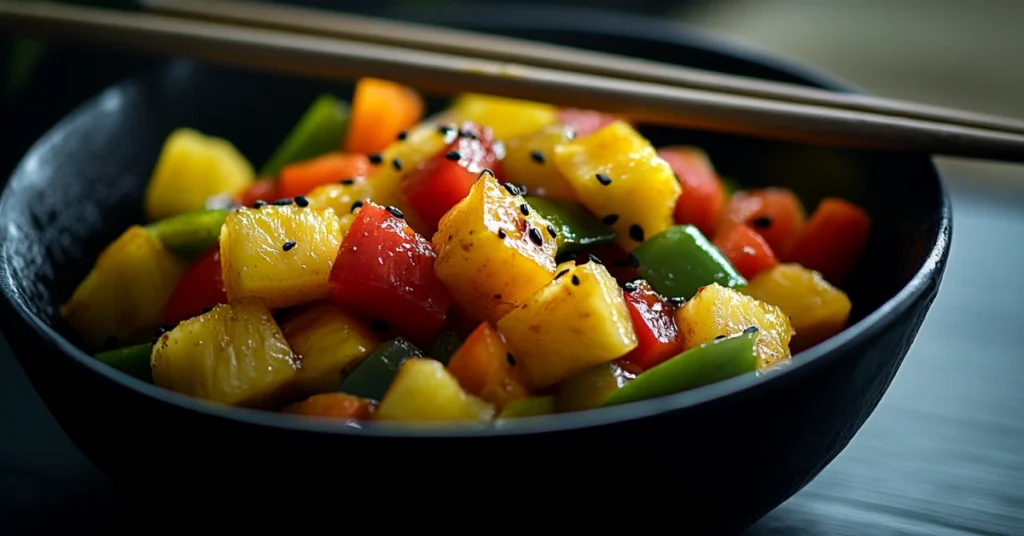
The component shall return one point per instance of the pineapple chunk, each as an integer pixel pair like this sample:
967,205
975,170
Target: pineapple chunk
329,342
717,310
577,321
191,168
508,118
489,275
420,143
529,161
816,309
616,171
256,264
424,391
341,198
124,295
235,354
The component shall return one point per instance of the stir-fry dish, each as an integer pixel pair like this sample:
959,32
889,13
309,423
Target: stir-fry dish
501,259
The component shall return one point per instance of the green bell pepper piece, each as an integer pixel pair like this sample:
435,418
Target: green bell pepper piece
132,360
445,346
320,130
577,228
589,388
528,407
680,260
708,363
373,376
189,235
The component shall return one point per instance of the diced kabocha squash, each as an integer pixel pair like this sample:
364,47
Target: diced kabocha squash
485,368
301,178
122,298
618,175
279,254
424,391
816,309
493,251
578,320
235,354
381,109
529,161
329,342
193,167
509,118
334,406
720,311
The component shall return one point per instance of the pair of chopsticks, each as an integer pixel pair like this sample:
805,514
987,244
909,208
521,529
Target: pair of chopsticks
334,46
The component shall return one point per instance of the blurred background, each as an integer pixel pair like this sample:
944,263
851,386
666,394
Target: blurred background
942,454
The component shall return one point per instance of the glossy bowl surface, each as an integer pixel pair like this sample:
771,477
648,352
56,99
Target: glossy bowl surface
730,451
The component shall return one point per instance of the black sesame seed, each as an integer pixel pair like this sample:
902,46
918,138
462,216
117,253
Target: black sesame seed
396,212
403,135
634,261
636,232
537,156
468,134
259,204
575,280
379,325
454,156
629,287
357,205
397,164
522,189
348,182
560,274
720,337
593,258
525,209
287,246
376,158
511,188
763,222
501,234
552,231
511,360
487,171
750,330
301,201
283,202
610,219
605,180
535,236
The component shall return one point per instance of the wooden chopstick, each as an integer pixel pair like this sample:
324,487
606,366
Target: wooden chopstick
473,44
339,59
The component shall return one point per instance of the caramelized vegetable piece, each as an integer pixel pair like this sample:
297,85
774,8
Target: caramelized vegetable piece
616,173
816,309
191,168
344,198
234,354
509,118
424,391
746,250
489,255
654,321
303,177
330,342
775,213
334,406
189,235
280,254
121,299
716,311
576,228
534,406
320,130
485,368
577,321
380,110
833,240
200,288
530,161
703,195
680,260
591,387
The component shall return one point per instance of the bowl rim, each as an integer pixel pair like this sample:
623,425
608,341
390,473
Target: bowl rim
595,22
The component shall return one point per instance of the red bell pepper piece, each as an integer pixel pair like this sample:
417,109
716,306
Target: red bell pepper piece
654,321
833,240
584,122
262,190
200,288
775,213
746,250
619,263
703,195
385,271
485,368
445,179
301,178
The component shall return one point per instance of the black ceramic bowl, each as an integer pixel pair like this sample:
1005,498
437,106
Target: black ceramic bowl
723,455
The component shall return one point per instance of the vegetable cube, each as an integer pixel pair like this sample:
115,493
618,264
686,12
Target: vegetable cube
280,254
529,160
616,173
703,196
424,391
817,309
123,296
201,287
578,320
485,368
343,198
654,321
509,118
775,213
380,110
235,354
329,342
493,251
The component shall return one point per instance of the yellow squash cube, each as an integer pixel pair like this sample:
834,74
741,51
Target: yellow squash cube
508,118
816,309
424,391
192,168
717,310
530,160
615,171
487,251
281,255
328,342
124,295
577,321
235,354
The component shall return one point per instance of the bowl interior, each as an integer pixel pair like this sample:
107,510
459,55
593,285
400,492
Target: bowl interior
82,184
